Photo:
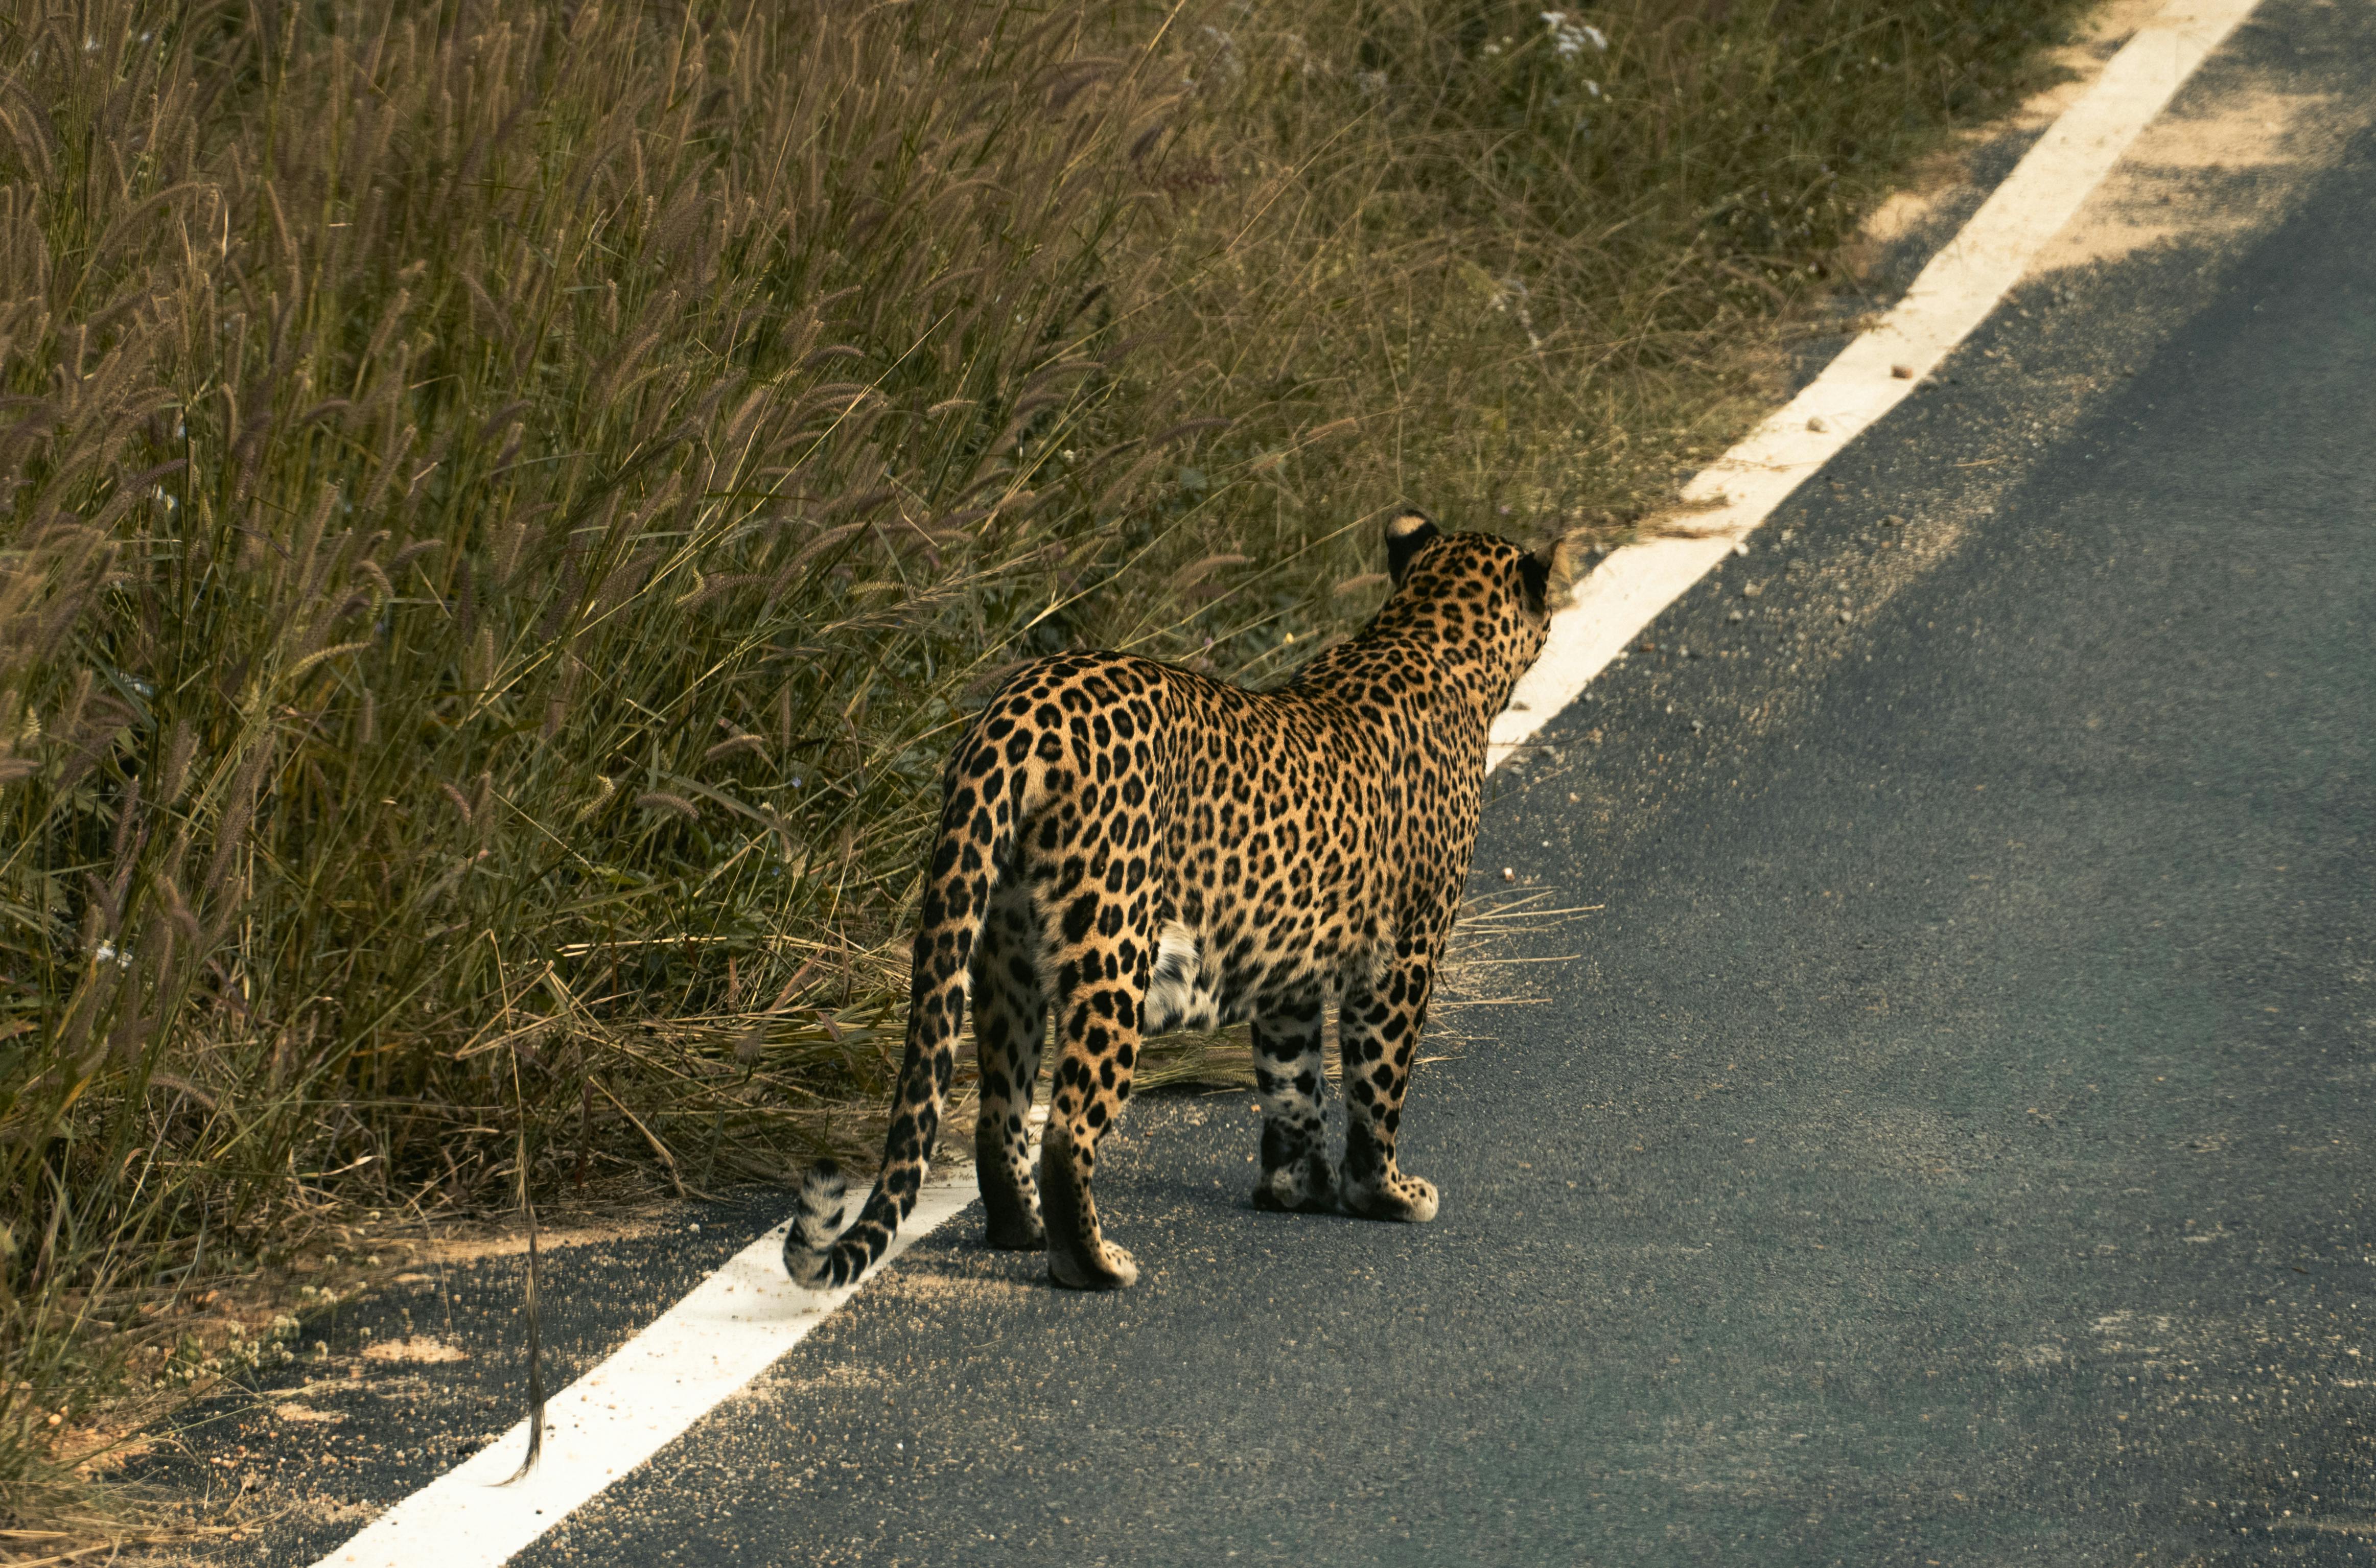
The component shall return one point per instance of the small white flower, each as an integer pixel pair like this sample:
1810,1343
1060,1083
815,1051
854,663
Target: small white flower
1571,39
1226,54
1510,297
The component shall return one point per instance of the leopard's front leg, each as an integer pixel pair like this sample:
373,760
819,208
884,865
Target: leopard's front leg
1378,1023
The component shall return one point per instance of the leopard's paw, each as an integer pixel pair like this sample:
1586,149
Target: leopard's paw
1304,1186
1011,1211
1112,1271
1410,1199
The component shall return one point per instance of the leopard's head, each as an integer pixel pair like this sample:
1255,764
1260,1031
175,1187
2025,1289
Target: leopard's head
1480,595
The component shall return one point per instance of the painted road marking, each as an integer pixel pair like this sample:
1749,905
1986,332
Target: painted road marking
736,1323
1955,294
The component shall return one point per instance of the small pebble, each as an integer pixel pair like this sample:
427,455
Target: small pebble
1698,725
1893,521
1902,372
1818,424
1736,617
1508,875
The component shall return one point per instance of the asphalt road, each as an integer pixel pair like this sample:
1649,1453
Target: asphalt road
1948,1142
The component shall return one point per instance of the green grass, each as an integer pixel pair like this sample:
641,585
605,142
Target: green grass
504,509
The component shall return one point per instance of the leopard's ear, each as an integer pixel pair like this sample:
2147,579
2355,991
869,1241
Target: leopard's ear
1407,533
1535,576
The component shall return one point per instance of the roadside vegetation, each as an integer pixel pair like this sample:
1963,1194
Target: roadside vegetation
503,506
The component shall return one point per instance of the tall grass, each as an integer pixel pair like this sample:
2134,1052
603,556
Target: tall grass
503,506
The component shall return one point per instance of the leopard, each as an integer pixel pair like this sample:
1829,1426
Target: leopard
1127,848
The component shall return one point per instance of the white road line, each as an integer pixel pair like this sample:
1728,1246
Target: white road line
698,1354
737,1323
1954,295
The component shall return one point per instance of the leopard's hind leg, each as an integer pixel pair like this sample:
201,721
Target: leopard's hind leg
1100,992
1378,1022
1009,1021
1295,1169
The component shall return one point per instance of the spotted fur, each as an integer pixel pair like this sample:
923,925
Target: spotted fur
1127,848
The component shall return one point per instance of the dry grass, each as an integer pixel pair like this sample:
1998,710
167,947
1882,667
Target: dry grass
505,505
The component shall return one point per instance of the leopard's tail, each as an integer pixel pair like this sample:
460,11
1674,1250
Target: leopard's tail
986,797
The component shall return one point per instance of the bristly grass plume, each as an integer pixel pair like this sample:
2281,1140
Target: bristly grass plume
502,507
